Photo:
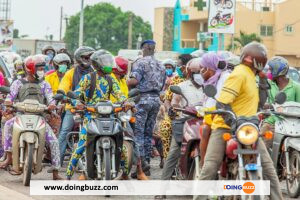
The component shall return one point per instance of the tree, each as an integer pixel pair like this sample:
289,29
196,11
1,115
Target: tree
243,40
105,27
16,33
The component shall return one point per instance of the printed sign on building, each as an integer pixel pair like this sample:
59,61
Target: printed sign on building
221,16
6,34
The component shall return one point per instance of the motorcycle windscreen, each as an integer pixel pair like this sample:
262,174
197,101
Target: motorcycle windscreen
101,126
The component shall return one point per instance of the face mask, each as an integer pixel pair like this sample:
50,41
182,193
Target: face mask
40,74
169,72
62,68
50,55
198,79
107,69
179,72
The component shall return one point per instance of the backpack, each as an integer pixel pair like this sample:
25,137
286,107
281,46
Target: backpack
93,84
31,91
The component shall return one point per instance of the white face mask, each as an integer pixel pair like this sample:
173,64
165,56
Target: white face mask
40,74
198,79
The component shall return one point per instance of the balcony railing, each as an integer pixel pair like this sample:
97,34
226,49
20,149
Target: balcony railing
189,43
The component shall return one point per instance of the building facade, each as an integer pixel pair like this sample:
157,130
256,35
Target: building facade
277,24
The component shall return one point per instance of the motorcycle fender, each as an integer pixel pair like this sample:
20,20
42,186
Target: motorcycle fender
293,143
28,137
90,152
276,148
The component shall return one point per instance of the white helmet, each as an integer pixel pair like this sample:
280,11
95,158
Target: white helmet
61,57
169,62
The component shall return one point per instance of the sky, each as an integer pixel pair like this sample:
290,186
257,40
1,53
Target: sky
38,18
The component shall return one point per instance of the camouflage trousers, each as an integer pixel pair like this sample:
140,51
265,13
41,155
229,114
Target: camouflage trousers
147,110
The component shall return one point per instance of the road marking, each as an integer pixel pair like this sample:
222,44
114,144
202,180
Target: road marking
7,193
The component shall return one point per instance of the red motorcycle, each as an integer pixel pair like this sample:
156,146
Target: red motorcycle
186,132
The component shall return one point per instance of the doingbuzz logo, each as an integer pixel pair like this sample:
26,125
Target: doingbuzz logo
248,187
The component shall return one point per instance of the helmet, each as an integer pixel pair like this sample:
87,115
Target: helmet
233,61
169,62
46,48
82,53
198,53
61,57
278,66
258,54
121,66
103,60
32,62
18,63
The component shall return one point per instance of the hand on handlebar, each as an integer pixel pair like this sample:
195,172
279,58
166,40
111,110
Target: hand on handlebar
127,106
79,106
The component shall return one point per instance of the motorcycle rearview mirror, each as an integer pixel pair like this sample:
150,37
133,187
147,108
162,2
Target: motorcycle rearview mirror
133,93
210,91
176,89
280,98
61,92
72,95
58,97
4,90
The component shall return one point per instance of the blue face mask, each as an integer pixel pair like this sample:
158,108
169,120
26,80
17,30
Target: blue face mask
179,72
169,72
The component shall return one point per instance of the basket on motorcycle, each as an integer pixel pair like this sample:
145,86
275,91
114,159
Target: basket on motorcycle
177,129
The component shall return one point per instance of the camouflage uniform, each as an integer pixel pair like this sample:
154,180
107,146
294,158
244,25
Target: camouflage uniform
151,77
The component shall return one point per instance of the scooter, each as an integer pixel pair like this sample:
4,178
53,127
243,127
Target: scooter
189,137
285,151
242,160
228,3
105,138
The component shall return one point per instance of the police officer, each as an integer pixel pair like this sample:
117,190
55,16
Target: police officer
148,75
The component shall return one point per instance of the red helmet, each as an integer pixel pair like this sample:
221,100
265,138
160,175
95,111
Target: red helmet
121,66
32,62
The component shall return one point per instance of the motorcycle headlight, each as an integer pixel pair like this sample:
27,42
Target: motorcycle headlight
125,116
247,134
104,110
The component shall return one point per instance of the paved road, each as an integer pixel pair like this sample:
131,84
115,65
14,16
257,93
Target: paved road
11,187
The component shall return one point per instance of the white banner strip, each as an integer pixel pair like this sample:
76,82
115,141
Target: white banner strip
156,187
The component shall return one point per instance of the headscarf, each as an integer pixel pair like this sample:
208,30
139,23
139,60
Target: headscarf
211,61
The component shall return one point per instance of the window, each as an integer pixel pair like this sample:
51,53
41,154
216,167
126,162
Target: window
289,29
266,30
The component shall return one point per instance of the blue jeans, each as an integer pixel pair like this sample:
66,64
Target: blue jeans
66,127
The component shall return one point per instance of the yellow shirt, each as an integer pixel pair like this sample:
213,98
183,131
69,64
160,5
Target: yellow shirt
240,91
53,80
123,87
66,84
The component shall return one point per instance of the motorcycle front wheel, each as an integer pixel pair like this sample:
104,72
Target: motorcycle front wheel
27,168
293,183
253,176
229,4
107,163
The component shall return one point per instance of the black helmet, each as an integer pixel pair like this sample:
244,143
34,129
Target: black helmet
82,55
103,60
258,54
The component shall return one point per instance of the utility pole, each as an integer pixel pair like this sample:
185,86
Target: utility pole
81,24
130,31
61,21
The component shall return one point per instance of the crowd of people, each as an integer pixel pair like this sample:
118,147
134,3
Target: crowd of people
95,75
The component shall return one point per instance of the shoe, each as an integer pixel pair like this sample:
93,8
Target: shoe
161,164
142,176
134,174
145,166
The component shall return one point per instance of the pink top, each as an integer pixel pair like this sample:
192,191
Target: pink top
2,80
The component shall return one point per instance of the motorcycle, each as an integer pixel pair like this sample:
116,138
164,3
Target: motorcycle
225,19
28,140
105,137
189,138
285,151
242,160
228,3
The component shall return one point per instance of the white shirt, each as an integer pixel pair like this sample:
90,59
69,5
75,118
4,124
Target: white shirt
193,94
210,102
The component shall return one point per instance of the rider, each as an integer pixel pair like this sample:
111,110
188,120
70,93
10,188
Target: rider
192,90
279,68
104,86
213,73
18,70
61,63
49,51
165,125
41,90
241,94
68,83
120,70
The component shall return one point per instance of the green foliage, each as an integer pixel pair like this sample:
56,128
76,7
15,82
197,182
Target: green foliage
105,27
243,40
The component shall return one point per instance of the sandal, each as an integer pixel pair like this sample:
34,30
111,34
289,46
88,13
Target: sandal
13,172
